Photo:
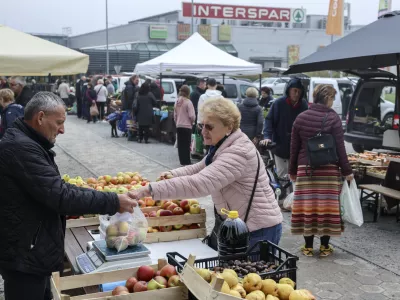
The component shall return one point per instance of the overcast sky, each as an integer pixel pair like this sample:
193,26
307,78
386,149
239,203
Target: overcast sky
50,16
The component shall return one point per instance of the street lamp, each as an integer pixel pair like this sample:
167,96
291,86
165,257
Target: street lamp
107,54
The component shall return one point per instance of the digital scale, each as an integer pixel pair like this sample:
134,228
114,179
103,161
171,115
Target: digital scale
103,259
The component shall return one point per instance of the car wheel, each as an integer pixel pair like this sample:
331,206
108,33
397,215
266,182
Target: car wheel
388,119
358,148
272,92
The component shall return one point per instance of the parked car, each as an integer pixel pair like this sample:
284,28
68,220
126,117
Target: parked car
235,89
373,112
276,84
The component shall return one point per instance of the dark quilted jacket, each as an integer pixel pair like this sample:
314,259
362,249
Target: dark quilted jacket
34,201
307,125
252,118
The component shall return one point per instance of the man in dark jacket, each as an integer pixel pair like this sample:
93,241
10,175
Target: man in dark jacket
22,93
195,95
129,93
78,93
279,122
35,200
252,115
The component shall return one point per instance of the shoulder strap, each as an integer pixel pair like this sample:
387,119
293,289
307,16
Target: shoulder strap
254,189
323,123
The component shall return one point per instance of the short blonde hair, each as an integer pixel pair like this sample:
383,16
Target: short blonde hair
252,92
323,93
6,96
100,81
224,110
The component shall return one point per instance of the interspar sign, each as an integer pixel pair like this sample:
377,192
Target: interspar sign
235,12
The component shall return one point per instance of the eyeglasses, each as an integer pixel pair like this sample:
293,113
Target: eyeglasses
208,127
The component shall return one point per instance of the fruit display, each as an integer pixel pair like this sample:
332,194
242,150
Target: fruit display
244,267
253,287
147,279
368,157
377,170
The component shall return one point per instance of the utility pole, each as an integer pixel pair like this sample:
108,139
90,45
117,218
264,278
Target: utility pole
107,54
192,16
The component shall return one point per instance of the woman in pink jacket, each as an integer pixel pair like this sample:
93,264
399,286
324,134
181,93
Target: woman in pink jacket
228,173
184,117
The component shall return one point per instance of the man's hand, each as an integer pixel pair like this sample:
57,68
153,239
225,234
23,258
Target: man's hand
140,193
293,178
126,203
265,142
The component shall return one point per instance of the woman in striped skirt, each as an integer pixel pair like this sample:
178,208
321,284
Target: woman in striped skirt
316,207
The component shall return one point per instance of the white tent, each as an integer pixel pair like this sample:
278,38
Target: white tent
26,55
197,56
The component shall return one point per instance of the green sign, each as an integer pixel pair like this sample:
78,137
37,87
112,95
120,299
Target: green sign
158,32
298,15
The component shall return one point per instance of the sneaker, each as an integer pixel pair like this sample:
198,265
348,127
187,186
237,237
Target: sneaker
324,252
307,251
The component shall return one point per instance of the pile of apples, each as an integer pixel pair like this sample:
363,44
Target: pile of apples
252,287
174,208
148,280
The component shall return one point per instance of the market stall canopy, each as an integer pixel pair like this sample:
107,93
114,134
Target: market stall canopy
26,55
373,46
197,56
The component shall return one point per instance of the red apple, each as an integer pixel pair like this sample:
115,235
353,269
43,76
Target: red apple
178,211
166,213
194,226
177,202
166,204
146,215
130,283
168,271
133,182
117,291
185,227
195,209
91,180
165,229
114,180
149,201
141,203
172,206
174,281
185,205
140,286
145,273
144,183
153,214
161,280
136,178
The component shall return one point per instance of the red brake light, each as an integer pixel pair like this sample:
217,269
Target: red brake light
396,119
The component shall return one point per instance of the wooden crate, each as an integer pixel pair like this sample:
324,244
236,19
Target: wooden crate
200,288
59,284
72,223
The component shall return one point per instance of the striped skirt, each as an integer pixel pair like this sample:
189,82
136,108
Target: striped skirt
316,207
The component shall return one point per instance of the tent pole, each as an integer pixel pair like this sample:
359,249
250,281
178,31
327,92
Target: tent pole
398,82
260,77
223,79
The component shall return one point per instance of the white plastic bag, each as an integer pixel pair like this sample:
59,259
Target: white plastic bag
126,230
350,205
288,203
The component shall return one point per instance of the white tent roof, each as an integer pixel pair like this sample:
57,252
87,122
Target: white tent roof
26,55
197,56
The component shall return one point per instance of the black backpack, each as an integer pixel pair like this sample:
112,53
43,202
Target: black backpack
321,149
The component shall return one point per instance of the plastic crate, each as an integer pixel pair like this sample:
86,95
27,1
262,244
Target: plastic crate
263,250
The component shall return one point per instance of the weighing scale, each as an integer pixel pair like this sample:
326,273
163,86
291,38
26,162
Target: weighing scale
102,259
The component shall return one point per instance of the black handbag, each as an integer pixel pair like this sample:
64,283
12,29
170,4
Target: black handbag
321,149
212,239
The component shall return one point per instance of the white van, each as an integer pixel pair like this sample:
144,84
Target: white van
315,81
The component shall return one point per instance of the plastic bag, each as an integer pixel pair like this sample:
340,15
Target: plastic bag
350,205
126,230
94,112
193,144
288,203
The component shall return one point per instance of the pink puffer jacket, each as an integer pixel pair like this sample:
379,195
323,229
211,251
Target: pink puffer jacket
229,180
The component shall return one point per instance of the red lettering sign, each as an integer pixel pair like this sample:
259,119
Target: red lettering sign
253,13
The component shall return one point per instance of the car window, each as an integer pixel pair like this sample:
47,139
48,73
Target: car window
243,89
231,91
345,90
168,87
279,81
389,93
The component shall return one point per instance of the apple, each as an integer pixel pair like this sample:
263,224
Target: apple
99,188
166,213
107,178
158,273
153,214
145,273
161,280
174,280
185,227
140,286
130,283
177,202
144,183
127,179
166,228
168,271
114,180
66,177
121,179
195,209
112,230
193,201
133,182
150,230
149,201
166,204
136,178
185,205
155,229
178,211
194,226
119,174
141,203
91,180
119,289
154,285
172,206
178,227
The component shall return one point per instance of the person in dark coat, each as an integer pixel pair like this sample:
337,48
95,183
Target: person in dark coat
266,97
129,93
85,109
3,83
195,95
279,122
155,90
35,201
221,88
91,97
22,92
316,207
79,97
10,111
252,115
144,111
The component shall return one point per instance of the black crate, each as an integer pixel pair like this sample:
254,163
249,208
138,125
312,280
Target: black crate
263,250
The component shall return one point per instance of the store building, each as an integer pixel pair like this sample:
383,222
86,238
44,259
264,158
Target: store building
273,37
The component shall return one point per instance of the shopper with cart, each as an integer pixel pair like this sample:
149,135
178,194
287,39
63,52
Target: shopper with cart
232,173
316,207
